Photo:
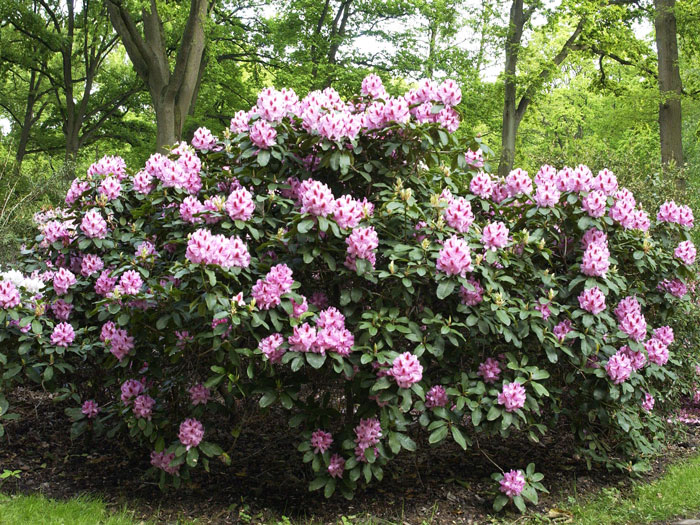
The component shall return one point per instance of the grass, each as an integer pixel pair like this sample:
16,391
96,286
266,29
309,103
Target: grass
39,510
676,494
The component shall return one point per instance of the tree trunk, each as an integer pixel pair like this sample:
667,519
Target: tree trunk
172,94
29,118
510,120
670,86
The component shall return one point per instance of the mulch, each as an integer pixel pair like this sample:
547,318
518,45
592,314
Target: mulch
267,479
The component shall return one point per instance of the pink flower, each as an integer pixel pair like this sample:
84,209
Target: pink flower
648,403
628,305
203,140
9,295
302,338
330,318
239,122
512,396
368,433
299,308
448,118
686,217
90,409
199,394
93,225
372,87
162,461
459,214
426,91
90,264
406,370
189,208
361,245
454,258
143,182
348,212
664,334
120,343
205,248
110,188
63,335
271,347
561,329
436,397
489,370
494,236
637,359
546,175
592,300
547,195
316,198
336,466
605,182
143,406
55,230
77,188
240,205
593,235
105,284
449,93
619,367
669,212
581,179
321,441
594,203
596,260
657,351
268,292
675,287
108,165
634,325
475,159
62,280
61,309
686,252
262,134
130,389
518,182
191,433
481,185
471,297
130,283
513,483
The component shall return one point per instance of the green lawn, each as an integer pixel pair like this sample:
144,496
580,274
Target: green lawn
38,510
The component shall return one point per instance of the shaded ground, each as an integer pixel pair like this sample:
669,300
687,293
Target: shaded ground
267,479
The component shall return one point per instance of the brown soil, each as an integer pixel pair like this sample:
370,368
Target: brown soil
267,479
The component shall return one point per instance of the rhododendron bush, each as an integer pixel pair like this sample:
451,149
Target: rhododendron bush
351,263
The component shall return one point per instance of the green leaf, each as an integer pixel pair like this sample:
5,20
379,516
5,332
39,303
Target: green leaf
305,225
459,437
494,413
445,288
267,399
210,449
315,360
192,457
263,157
500,502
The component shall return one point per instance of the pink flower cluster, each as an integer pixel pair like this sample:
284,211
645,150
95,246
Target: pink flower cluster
512,396
143,406
495,235
9,295
130,283
455,258
118,340
316,198
592,300
110,188
205,248
595,203
203,140
93,225
63,335
91,264
481,185
90,409
675,287
669,211
471,297
130,389
475,158
162,461
367,434
406,370
436,397
329,335
648,403
518,182
361,245
561,329
349,212
630,318
686,252
619,367
239,205
596,258
459,214
62,280
336,466
513,483
61,309
199,394
268,292
271,347
191,433
490,370
108,165
657,351
664,334
321,441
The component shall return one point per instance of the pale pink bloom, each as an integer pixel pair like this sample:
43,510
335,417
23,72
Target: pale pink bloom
62,280
93,224
262,134
449,93
638,359
239,122
9,295
61,309
321,441
199,394
143,182
595,203
619,367
561,329
336,466
316,198
458,214
518,182
592,300
191,433
593,235
657,351
547,195
104,283
494,236
299,308
90,264
203,140
546,175
481,185
634,325
143,406
406,370
130,389
110,188
513,483
596,260
63,335
490,370
471,297
302,338
512,396
605,181
664,334
669,211
436,397
130,283
240,205
271,347
686,217
455,258
162,461
77,188
348,212
90,409
686,252
648,403
628,305
581,179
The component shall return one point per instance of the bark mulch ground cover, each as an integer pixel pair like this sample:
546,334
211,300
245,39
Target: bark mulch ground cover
266,479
